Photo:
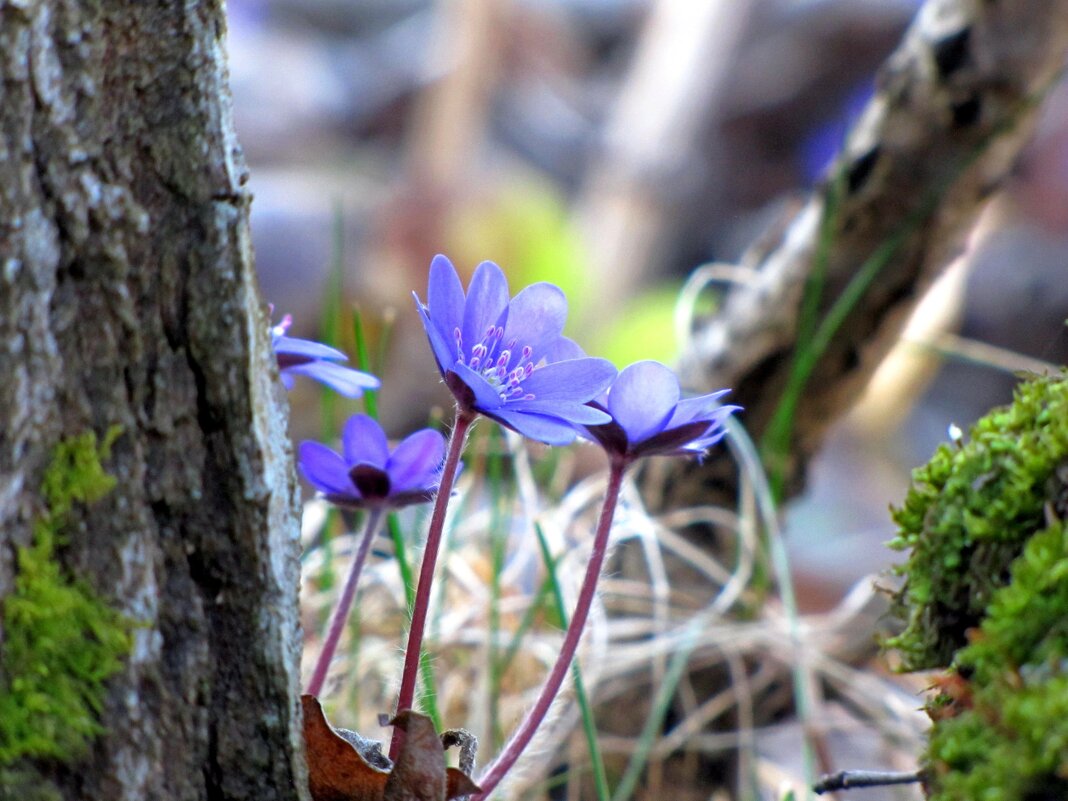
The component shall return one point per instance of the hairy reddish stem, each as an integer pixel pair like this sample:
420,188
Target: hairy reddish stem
525,733
426,573
344,604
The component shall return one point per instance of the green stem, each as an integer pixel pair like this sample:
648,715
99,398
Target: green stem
589,726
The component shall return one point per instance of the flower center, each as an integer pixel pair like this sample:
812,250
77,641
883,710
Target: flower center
504,368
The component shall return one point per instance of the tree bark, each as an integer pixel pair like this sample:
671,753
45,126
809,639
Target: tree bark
127,296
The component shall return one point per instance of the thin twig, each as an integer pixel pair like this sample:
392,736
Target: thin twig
850,779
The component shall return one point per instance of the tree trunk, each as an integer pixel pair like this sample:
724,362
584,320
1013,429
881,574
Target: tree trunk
128,298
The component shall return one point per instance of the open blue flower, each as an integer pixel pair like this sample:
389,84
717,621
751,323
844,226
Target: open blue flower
507,358
650,417
366,474
316,360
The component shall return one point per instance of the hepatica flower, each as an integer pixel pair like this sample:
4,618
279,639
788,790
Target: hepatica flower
650,417
507,358
366,474
318,361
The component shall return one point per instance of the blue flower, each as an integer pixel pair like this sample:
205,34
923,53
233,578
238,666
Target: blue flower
650,418
367,475
316,360
507,358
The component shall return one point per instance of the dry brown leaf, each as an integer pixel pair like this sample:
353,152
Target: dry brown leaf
338,772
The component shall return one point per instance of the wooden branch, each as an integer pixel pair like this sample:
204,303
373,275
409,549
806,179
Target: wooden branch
954,106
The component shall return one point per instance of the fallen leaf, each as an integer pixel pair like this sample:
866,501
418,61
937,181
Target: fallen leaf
336,771
419,774
340,769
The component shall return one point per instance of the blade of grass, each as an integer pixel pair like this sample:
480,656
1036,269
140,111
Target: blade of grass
541,600
745,452
589,726
400,548
330,320
661,705
498,544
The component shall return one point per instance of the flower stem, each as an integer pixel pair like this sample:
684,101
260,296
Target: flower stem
525,733
344,604
426,573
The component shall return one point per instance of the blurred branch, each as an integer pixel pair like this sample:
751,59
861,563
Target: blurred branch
954,106
450,120
629,205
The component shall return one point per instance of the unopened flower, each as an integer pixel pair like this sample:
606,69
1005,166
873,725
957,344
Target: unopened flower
507,358
366,474
650,417
318,361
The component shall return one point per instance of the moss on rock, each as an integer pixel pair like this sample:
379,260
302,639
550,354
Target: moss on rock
986,596
968,514
61,639
1006,737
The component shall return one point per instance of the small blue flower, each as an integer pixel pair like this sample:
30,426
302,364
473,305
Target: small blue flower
507,358
316,360
367,475
649,417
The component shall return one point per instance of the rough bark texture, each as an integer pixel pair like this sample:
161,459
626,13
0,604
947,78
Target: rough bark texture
127,296
954,106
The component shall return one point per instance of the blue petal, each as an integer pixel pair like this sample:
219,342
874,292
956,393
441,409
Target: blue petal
364,441
571,411
325,469
350,383
575,380
536,316
445,297
486,397
306,347
416,462
693,408
643,398
444,349
538,427
487,298
561,350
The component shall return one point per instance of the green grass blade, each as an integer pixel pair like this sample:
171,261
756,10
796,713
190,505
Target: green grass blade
589,727
655,722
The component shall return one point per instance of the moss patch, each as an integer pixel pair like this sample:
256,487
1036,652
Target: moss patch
61,640
968,514
1005,738
986,595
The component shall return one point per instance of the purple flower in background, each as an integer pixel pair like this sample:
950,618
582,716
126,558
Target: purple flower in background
650,418
367,475
507,358
316,360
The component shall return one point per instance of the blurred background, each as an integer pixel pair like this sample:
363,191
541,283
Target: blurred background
613,147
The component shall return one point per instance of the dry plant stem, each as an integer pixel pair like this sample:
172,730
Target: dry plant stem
344,604
848,779
522,737
426,572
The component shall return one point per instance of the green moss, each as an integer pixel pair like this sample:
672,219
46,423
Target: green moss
61,640
968,514
1007,738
